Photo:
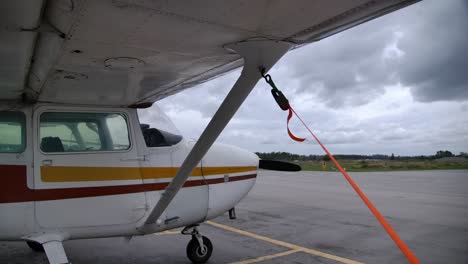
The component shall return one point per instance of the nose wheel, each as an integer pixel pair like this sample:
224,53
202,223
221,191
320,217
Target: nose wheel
199,253
199,248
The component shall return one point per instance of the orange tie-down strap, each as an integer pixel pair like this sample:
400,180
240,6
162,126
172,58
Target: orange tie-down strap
403,247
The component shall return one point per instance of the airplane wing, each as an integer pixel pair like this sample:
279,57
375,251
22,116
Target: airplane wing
130,52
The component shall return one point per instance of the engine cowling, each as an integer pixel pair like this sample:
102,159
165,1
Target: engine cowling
239,171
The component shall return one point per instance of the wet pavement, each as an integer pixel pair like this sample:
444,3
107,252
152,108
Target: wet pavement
308,217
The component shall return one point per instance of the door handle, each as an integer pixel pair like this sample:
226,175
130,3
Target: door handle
47,162
133,159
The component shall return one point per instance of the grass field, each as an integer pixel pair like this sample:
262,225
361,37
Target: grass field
386,165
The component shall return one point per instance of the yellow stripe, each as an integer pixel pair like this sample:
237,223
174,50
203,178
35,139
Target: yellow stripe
225,170
80,174
164,172
268,257
285,244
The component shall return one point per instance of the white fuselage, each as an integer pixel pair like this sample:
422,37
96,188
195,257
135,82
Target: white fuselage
91,192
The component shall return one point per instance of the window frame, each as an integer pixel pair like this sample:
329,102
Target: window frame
124,114
24,135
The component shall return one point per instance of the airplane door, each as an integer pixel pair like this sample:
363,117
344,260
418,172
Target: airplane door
86,169
16,203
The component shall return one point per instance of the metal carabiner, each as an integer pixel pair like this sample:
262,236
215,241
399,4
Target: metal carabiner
279,97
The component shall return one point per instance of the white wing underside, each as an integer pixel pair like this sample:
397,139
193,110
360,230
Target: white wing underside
125,52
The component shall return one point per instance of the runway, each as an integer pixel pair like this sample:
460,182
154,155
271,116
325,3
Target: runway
309,217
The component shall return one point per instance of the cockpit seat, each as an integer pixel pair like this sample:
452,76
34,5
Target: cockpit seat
52,144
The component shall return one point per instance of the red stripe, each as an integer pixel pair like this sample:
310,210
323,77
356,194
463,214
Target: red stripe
14,187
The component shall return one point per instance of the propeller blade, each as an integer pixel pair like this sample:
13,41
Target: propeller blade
278,165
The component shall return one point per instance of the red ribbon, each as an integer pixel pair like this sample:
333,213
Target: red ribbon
293,137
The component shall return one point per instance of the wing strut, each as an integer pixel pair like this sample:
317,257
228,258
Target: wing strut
256,54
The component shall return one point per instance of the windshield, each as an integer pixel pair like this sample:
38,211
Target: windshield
158,130
156,118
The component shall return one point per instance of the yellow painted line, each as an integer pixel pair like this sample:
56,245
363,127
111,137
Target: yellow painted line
81,174
168,233
285,244
268,257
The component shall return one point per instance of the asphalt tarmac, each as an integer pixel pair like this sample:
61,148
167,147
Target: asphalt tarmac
308,217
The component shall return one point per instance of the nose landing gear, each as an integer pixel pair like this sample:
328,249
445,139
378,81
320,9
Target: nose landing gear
199,248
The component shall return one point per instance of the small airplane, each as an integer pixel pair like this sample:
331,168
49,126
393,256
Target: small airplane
75,162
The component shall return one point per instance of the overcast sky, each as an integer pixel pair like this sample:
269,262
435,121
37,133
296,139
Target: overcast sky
397,84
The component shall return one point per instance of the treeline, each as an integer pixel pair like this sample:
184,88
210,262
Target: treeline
286,156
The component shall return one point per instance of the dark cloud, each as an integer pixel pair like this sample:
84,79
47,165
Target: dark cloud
423,46
347,69
435,64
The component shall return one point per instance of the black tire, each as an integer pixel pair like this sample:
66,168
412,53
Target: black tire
36,247
194,252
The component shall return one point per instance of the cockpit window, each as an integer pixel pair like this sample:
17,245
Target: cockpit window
158,138
12,132
82,132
